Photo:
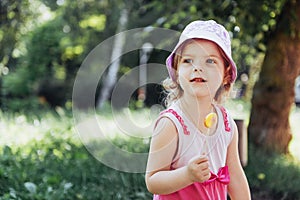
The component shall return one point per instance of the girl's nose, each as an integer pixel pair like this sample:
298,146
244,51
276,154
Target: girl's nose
196,68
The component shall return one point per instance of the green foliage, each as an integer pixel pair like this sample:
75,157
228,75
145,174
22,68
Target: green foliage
13,15
57,166
17,83
272,175
24,105
18,91
44,49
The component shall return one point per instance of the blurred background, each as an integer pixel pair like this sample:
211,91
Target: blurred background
43,44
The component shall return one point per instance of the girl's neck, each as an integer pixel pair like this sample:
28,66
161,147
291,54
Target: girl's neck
196,107
196,110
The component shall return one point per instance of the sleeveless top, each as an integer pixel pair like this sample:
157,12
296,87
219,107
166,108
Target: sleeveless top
191,143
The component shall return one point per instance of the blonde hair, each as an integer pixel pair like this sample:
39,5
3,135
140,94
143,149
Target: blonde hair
173,89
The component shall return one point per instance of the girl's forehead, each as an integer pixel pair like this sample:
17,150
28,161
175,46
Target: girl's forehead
201,47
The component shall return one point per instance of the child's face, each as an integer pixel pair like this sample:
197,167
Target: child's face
201,69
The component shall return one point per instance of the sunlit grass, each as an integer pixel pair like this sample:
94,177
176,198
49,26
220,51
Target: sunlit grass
18,129
42,157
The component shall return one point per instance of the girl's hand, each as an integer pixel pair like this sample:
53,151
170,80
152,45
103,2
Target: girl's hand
198,169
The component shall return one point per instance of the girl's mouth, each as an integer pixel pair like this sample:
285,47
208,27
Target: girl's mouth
198,80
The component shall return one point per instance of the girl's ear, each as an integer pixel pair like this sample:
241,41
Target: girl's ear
227,86
227,76
225,82
176,77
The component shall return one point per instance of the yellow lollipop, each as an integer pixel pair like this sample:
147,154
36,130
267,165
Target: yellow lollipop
210,119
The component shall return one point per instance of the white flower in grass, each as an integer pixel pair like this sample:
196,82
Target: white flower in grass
31,187
67,186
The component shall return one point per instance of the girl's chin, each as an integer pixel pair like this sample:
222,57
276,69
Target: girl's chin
200,95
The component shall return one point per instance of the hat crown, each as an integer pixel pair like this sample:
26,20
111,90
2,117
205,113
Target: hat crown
198,27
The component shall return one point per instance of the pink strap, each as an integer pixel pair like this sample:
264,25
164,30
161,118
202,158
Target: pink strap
226,121
185,129
179,118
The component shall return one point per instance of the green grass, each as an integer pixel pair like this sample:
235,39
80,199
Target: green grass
42,157
271,176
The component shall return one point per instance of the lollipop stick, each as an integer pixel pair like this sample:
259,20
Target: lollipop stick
209,121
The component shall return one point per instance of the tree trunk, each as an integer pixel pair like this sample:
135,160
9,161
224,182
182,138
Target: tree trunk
273,94
111,77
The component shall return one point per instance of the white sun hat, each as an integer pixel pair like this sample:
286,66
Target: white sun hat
208,30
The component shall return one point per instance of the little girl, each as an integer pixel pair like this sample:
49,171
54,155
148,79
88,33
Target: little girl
191,158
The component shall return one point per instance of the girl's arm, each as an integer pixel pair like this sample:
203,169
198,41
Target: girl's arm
238,187
160,179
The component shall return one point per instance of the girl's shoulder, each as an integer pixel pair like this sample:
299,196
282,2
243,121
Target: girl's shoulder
165,130
164,124
228,125
174,114
227,119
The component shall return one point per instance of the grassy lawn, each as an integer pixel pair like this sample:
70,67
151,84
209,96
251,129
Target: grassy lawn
42,157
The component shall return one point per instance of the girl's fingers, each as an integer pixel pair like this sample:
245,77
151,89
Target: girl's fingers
199,168
199,159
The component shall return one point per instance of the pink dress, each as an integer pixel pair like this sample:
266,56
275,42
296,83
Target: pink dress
190,144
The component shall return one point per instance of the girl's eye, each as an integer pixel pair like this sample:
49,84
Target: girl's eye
187,60
211,61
